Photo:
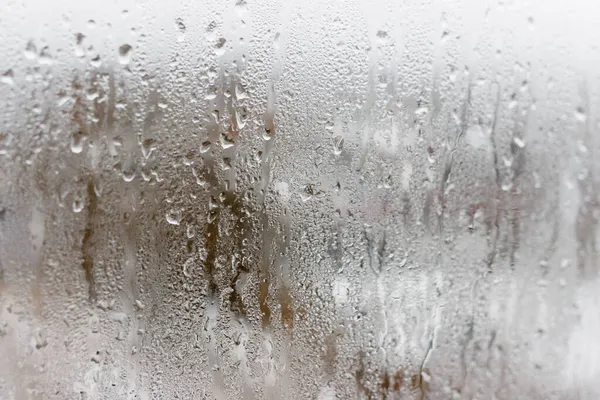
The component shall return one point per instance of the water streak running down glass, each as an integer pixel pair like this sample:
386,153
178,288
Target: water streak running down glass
277,199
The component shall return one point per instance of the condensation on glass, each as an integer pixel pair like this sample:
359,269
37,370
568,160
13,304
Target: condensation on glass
270,199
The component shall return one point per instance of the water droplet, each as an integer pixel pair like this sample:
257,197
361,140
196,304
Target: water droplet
77,141
212,215
97,358
91,24
140,306
519,142
205,146
40,339
128,174
422,110
199,180
7,77
226,141
45,56
30,51
580,114
267,134
211,27
190,231
187,266
147,147
211,93
382,35
79,50
240,92
307,192
241,115
180,25
124,54
77,204
338,145
220,46
174,217
96,62
92,94
444,37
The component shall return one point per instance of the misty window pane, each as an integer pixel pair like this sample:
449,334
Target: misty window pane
270,199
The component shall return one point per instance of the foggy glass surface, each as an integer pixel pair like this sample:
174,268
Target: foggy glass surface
274,199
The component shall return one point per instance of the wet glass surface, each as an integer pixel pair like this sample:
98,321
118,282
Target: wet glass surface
272,199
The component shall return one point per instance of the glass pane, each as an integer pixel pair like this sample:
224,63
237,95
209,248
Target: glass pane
270,199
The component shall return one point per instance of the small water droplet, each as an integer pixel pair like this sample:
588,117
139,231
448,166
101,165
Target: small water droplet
211,93
30,51
382,35
580,114
180,25
241,115
519,142
226,141
77,141
91,24
267,134
307,192
444,37
205,146
7,77
40,339
240,92
92,94
174,217
79,50
212,215
77,204
190,231
220,46
200,181
187,266
147,147
45,56
338,145
128,174
124,54
422,110
276,40
96,62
